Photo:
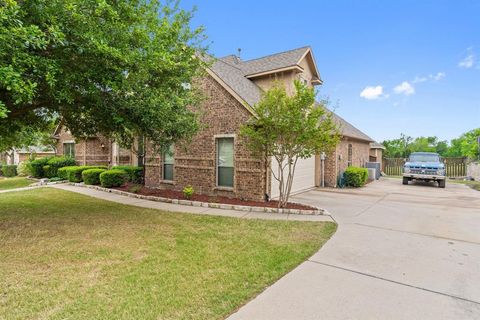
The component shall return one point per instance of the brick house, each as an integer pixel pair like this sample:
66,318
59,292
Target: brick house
92,150
216,161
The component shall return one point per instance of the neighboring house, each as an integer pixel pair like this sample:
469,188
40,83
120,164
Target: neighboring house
376,153
92,150
16,156
217,161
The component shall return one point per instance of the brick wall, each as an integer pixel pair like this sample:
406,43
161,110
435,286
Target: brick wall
195,163
87,151
337,162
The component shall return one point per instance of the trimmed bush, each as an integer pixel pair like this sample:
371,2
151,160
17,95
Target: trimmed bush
56,163
49,172
135,174
23,169
355,177
9,170
92,176
36,167
74,174
63,172
113,178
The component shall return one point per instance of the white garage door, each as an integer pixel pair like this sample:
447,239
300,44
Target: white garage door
303,179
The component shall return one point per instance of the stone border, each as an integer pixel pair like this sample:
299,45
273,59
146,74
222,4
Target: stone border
317,211
47,183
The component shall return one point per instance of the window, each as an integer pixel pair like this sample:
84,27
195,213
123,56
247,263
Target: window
225,162
168,164
350,153
69,149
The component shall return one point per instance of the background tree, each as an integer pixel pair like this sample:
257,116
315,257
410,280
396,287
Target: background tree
464,146
117,68
288,128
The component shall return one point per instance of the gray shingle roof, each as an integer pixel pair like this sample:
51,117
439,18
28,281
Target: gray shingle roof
233,71
376,145
348,130
235,79
272,62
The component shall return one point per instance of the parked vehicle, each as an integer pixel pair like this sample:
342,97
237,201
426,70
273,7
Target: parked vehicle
425,166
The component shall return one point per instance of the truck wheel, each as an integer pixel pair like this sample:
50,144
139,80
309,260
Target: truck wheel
405,180
441,183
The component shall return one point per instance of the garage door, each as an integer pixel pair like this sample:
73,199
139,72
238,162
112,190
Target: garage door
303,179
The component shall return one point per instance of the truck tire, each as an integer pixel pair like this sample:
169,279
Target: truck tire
442,183
405,181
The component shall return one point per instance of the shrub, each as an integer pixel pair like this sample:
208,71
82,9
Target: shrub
49,172
36,167
56,163
74,174
113,178
355,177
92,176
135,174
55,179
9,170
23,169
188,192
62,173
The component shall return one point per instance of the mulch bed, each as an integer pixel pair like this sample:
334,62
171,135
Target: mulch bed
171,194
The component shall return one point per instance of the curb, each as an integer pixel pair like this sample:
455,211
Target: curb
317,211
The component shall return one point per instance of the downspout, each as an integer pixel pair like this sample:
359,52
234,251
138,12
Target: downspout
267,197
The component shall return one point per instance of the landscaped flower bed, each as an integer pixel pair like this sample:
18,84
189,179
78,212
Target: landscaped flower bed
171,194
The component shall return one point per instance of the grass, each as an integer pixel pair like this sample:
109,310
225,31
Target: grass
65,255
13,183
472,184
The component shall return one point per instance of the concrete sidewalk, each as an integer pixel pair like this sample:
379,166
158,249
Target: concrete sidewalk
21,189
188,209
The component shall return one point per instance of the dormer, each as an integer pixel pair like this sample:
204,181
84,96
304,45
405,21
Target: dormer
297,64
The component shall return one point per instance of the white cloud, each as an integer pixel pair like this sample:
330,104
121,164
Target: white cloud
372,93
419,79
439,76
469,60
435,77
404,88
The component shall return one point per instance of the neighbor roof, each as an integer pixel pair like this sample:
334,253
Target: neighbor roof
376,145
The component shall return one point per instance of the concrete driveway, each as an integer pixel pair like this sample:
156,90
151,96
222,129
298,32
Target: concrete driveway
400,252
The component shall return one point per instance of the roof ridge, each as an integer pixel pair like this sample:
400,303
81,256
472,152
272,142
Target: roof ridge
231,65
274,54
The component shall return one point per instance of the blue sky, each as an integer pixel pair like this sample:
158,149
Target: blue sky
389,67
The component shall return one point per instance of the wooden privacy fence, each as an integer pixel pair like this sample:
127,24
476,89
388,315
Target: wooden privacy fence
456,167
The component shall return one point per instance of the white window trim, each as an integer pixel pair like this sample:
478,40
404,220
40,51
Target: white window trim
173,167
216,137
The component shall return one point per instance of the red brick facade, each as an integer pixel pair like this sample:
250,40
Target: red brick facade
338,161
89,151
195,163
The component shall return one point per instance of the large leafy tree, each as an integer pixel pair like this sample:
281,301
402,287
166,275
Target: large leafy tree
120,68
287,128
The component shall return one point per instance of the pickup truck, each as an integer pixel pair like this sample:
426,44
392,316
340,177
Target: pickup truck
426,166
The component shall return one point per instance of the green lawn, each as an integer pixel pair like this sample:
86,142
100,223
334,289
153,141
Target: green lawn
472,184
68,256
12,183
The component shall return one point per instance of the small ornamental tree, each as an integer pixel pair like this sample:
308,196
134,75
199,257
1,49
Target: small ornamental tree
287,128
